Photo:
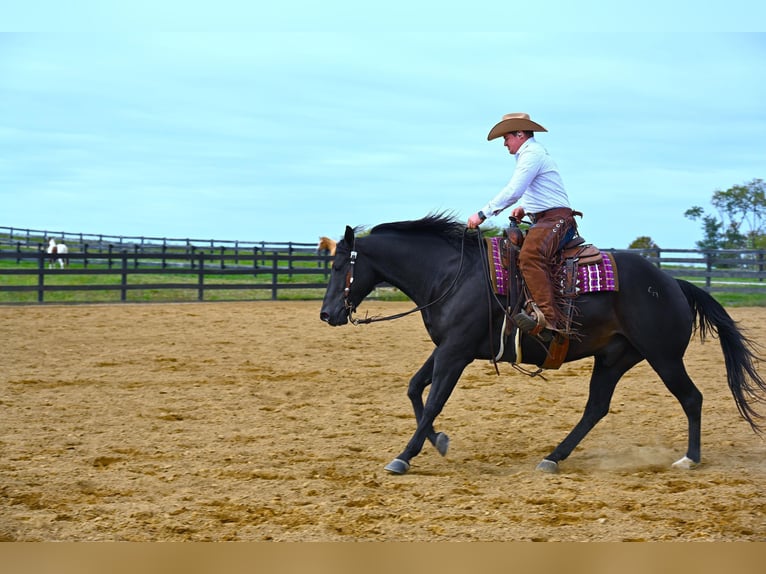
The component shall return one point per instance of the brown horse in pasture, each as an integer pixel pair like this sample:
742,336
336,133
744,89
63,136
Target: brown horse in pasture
326,245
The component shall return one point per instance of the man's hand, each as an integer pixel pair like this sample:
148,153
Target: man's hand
474,221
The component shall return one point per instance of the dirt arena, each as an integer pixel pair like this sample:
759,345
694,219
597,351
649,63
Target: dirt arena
255,421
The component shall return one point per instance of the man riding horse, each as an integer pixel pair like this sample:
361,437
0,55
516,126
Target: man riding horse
537,181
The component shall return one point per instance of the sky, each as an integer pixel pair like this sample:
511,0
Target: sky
290,125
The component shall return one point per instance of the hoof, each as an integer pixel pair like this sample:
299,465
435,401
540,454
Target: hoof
685,463
398,466
548,466
442,443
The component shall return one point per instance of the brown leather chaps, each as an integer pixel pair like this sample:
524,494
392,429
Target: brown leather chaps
542,242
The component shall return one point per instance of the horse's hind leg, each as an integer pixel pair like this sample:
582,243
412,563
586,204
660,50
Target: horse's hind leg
418,383
607,370
677,380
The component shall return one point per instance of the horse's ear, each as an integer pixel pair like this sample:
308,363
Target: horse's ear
349,236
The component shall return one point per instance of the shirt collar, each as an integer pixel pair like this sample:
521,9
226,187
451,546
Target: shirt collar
524,145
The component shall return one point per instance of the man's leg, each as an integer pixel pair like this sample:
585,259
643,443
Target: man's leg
539,248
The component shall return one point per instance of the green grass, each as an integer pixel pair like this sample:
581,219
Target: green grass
728,299
734,298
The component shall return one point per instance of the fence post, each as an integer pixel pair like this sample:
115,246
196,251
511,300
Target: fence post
124,276
290,258
222,256
109,253
709,265
40,275
274,274
201,277
760,266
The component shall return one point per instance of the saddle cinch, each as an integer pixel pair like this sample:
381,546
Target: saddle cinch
572,258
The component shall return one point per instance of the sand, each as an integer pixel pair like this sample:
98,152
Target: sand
256,421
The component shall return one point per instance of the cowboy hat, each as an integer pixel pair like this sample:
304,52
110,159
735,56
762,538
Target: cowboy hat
512,123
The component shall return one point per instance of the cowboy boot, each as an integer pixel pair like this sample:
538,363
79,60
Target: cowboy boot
534,323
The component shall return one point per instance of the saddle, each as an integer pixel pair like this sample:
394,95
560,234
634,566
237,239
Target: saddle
564,271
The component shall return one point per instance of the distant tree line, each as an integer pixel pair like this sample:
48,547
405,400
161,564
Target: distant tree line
738,220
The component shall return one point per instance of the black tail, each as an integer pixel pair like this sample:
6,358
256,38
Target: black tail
739,352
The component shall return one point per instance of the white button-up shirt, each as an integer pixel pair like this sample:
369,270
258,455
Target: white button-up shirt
536,178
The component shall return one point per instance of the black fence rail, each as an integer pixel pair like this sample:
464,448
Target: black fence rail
126,271
37,238
256,270
161,251
731,270
141,263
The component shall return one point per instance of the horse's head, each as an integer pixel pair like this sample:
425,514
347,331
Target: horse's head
326,244
350,282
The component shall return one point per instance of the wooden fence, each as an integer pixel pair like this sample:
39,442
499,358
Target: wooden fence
732,270
143,263
263,270
199,271
24,240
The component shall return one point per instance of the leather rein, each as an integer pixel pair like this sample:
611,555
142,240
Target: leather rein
351,308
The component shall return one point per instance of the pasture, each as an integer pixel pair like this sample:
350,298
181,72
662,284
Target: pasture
255,421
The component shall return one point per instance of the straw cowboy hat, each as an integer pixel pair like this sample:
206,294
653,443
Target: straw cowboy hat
512,123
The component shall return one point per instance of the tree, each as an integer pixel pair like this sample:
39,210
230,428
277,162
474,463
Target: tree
643,242
647,244
711,227
742,218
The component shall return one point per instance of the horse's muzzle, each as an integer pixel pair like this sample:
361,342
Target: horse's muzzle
334,321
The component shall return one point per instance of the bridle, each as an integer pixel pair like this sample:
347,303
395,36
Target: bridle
351,308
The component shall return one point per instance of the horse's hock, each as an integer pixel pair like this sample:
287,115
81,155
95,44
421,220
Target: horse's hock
255,421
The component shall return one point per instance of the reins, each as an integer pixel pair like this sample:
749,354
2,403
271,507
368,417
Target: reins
490,297
350,279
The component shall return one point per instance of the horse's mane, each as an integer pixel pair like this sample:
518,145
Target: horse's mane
441,224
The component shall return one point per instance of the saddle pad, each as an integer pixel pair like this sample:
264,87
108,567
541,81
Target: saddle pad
599,276
497,272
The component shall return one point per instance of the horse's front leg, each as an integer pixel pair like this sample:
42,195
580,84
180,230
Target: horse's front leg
445,371
418,383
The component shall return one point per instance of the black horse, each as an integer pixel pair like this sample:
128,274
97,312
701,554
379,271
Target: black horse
440,265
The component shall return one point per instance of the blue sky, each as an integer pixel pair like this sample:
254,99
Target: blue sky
293,131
